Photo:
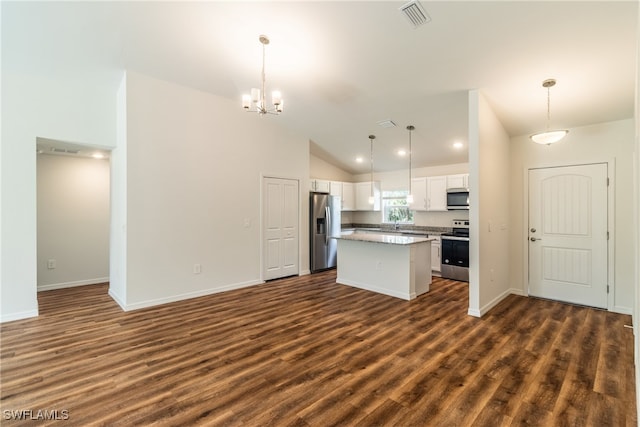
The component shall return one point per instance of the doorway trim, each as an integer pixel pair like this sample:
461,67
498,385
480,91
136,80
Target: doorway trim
611,173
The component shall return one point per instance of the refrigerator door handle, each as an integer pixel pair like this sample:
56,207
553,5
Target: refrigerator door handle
327,212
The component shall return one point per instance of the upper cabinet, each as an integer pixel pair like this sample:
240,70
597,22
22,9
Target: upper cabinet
320,186
458,181
363,192
430,193
419,192
437,193
348,196
335,188
353,196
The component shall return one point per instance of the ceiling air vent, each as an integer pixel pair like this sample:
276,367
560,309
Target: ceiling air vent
415,13
387,124
64,150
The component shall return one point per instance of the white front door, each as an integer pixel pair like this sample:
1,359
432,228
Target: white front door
567,234
280,227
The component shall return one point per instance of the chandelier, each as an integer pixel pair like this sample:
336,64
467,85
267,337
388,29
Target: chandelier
548,137
256,101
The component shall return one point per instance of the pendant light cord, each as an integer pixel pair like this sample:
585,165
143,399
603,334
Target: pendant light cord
410,128
548,106
371,138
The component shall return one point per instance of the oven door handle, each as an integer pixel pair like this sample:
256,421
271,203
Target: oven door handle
461,239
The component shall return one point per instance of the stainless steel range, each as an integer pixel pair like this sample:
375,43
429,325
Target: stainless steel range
455,251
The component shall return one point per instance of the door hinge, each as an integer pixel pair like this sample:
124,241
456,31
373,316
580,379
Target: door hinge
607,181
607,288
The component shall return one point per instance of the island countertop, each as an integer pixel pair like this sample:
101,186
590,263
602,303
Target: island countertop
392,239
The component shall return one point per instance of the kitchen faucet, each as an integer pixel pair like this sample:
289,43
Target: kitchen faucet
397,226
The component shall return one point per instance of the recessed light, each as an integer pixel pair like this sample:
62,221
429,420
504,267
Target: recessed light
458,145
359,159
402,152
97,156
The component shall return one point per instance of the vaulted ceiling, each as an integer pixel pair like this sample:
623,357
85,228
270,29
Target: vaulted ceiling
342,67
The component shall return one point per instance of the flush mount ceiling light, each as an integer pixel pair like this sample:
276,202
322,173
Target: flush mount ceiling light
256,101
371,198
548,137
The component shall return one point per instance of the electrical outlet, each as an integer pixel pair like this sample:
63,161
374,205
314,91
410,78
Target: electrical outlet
197,269
51,264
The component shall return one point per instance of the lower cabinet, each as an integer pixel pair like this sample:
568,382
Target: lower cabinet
436,259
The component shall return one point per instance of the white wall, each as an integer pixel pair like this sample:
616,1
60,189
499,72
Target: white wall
605,142
636,220
67,109
399,180
118,231
194,167
321,169
489,255
73,220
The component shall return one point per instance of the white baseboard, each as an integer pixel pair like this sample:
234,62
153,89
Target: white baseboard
485,309
181,297
516,291
622,310
114,296
18,316
63,285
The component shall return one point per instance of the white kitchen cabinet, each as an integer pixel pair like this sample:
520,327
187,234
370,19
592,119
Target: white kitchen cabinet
436,193
320,186
419,191
436,246
335,188
348,196
363,192
458,181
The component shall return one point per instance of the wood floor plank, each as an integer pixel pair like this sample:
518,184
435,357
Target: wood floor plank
305,351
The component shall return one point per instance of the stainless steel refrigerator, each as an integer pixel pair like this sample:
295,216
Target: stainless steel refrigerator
324,212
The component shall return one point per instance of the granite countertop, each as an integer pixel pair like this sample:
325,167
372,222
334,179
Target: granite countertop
404,229
392,239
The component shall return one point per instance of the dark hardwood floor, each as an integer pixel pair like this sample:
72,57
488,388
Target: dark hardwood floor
306,351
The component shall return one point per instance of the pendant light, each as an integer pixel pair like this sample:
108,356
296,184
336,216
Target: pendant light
410,128
548,137
371,198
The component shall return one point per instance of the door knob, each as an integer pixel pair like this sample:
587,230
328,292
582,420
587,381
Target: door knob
533,230
533,239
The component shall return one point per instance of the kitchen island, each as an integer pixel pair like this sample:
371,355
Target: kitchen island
399,266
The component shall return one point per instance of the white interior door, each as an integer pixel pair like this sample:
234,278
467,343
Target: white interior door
567,233
280,227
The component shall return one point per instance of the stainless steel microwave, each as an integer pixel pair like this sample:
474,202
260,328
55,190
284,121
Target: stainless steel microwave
457,199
